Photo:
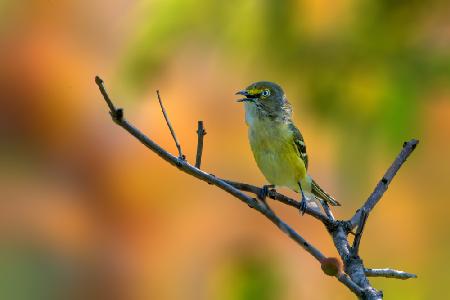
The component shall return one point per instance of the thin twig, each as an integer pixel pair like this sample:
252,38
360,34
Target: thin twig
172,132
200,133
101,86
408,148
290,232
359,231
389,273
326,209
342,277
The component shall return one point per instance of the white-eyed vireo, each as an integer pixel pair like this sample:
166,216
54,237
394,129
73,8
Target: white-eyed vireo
277,144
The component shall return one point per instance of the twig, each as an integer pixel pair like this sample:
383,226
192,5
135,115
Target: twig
113,111
290,232
281,198
350,284
327,210
200,133
359,231
172,132
389,273
408,148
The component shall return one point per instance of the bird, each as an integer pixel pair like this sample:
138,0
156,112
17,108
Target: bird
277,144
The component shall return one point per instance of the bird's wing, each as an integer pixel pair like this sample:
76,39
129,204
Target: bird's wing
299,144
301,147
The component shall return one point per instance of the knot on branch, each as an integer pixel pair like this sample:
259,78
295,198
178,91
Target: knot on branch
333,226
331,266
117,115
179,161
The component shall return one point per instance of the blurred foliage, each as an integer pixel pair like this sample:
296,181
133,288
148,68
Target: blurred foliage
250,277
30,272
370,70
364,72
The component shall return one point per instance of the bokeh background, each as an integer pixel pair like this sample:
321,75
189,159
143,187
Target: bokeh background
86,212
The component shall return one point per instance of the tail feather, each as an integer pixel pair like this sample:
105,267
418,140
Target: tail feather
319,192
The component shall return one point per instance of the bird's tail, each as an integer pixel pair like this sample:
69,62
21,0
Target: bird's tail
317,191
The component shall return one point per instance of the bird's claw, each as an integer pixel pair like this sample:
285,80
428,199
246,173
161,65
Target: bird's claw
303,205
264,192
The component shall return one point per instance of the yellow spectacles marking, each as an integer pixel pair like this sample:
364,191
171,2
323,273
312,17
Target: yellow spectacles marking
254,91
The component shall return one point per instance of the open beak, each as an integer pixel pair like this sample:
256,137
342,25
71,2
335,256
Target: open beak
247,96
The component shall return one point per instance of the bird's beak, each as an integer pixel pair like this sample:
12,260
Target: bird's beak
243,93
246,94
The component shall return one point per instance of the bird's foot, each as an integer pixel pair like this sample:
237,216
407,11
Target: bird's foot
303,204
262,195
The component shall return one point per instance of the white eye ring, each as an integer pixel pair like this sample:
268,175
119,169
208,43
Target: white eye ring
265,93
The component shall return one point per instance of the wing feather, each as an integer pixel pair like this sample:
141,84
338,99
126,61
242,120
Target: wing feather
299,144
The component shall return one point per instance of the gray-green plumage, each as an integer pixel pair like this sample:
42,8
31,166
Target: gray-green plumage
277,144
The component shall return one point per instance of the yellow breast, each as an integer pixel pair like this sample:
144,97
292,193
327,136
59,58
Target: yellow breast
275,152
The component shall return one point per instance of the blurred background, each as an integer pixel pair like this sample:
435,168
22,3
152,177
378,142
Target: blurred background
86,212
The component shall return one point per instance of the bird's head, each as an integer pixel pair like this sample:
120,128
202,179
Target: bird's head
267,97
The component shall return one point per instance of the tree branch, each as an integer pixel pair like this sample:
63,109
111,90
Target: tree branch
327,210
355,276
389,273
408,148
172,132
359,231
283,199
353,266
350,284
184,166
200,133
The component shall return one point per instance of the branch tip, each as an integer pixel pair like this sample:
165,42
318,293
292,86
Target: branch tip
389,273
200,134
98,80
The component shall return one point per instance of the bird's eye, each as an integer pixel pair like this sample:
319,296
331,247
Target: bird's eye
265,93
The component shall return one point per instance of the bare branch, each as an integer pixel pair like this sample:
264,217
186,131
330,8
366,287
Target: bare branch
408,148
355,276
353,266
326,209
113,111
389,273
281,198
350,284
172,132
200,133
359,231
184,166
291,233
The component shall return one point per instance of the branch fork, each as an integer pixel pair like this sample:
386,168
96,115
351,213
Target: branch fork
352,274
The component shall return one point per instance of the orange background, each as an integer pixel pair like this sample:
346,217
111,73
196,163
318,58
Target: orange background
86,212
